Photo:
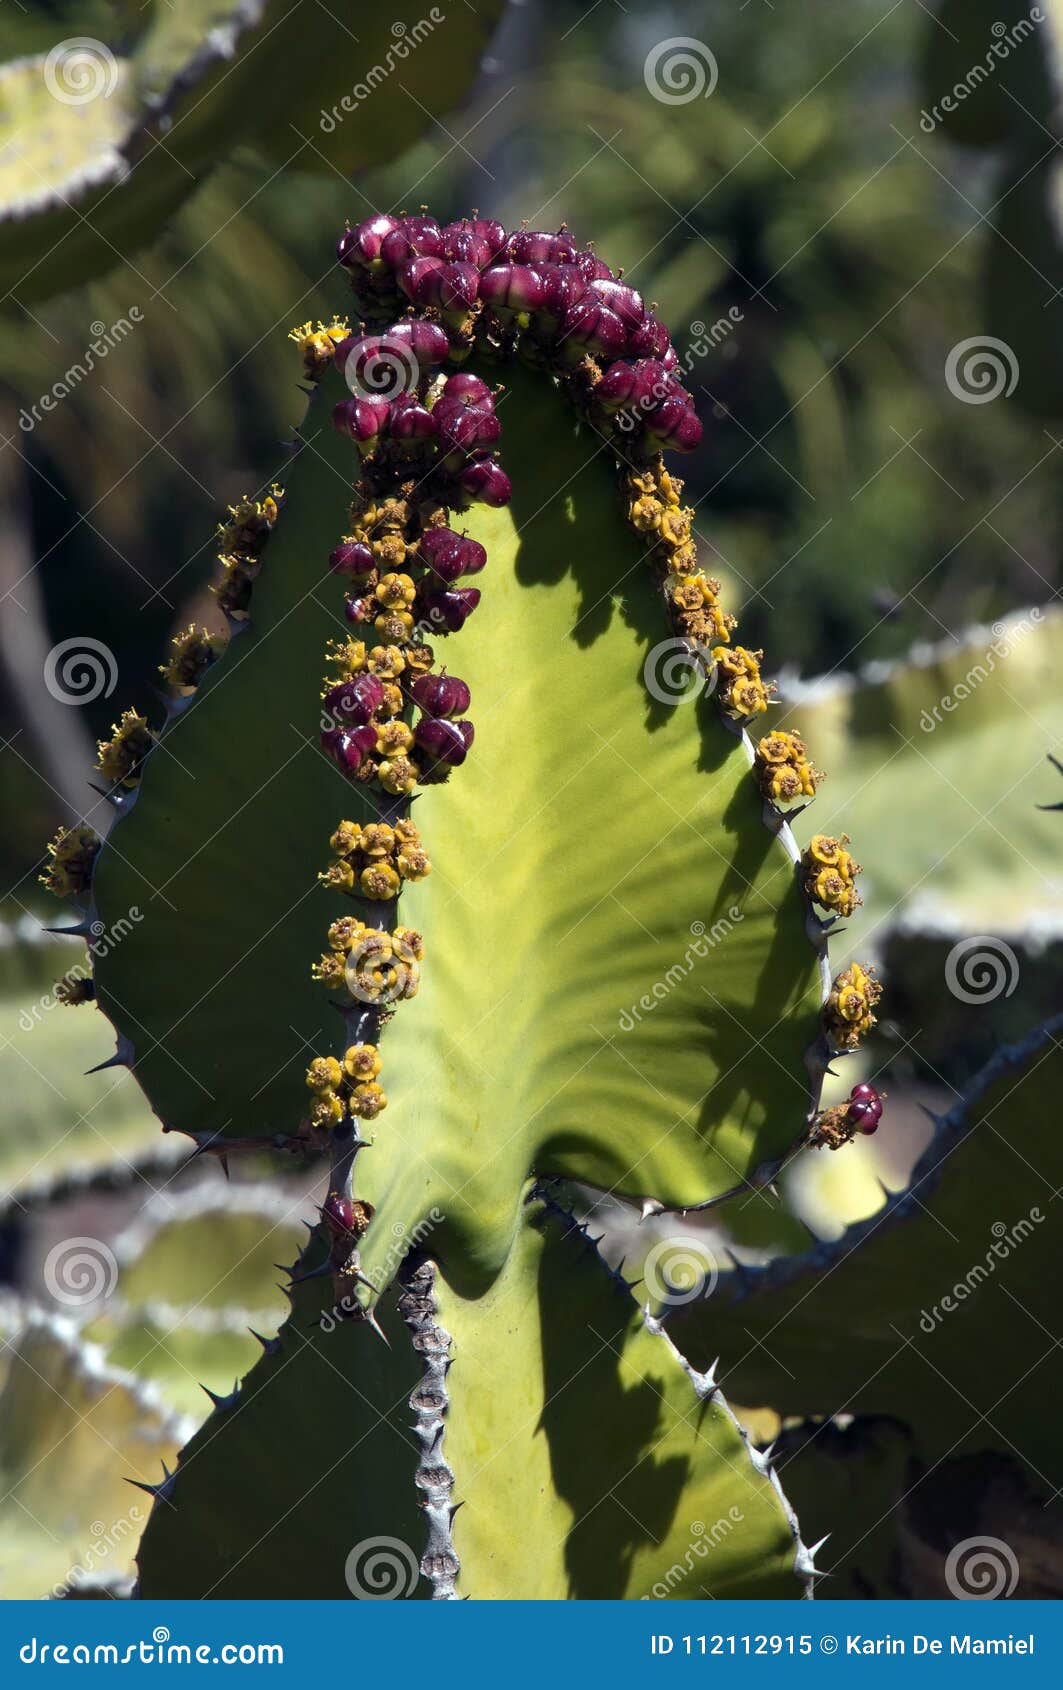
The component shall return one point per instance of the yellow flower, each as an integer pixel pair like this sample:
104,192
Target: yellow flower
368,1101
645,514
413,862
386,661
408,944
323,1075
379,882
329,971
378,839
398,775
361,1062
120,757
340,876
393,739
191,655
71,856
395,592
346,839
326,1112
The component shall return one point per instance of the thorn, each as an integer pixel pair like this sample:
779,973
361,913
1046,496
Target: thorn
315,1273
224,1161
270,1346
80,931
650,1207
216,1401
115,1061
370,1319
150,1490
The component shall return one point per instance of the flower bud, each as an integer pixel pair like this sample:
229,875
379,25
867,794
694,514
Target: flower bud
440,695
466,428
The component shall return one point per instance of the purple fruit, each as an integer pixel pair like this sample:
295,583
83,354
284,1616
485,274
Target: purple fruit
591,267
467,428
361,245
427,341
467,388
449,555
440,695
463,244
491,232
354,702
646,382
349,746
447,742
351,557
337,1212
650,339
362,419
674,423
511,287
486,482
623,301
456,286
590,326
865,1116
415,237
449,609
410,420
533,246
864,1093
417,279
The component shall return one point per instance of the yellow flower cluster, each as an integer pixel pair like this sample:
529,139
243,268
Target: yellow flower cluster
119,758
371,964
191,655
783,769
317,343
740,690
830,873
71,856
345,1088
848,1013
383,527
373,861
654,509
241,539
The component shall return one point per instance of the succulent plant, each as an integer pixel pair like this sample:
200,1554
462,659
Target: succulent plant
395,918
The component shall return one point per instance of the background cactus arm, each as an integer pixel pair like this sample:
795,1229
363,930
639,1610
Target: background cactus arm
894,1316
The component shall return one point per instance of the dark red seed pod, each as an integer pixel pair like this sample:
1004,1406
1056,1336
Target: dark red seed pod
674,423
485,482
361,245
351,557
456,287
354,702
440,695
415,237
590,326
650,339
337,1212
511,287
462,244
410,420
449,555
361,609
591,267
467,389
427,341
623,301
646,382
442,740
534,246
362,419
865,1115
864,1093
467,428
417,279
491,232
352,746
450,608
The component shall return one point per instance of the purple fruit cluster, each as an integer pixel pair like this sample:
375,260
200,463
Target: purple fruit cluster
538,285
865,1108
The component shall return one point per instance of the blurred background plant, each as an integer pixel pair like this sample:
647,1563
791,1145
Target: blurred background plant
823,258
